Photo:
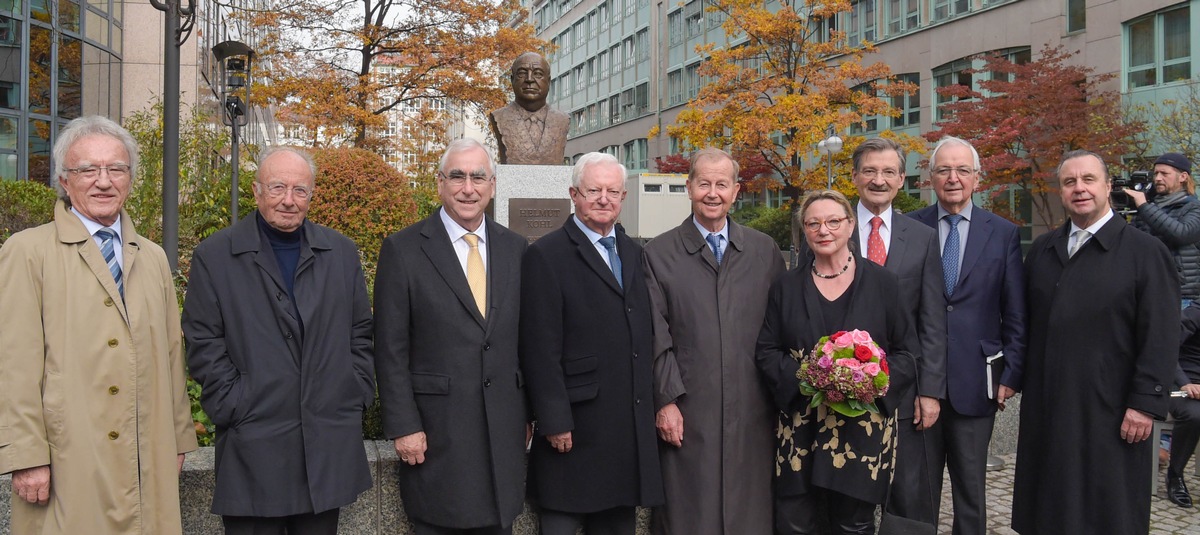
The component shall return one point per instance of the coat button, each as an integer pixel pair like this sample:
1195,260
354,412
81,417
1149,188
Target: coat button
487,347
635,354
112,342
1158,388
637,401
108,301
629,309
949,308
113,390
279,296
487,383
288,335
113,435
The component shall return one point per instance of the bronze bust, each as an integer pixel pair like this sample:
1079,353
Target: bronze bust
528,131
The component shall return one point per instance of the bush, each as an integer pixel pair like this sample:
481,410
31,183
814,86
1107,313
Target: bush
24,204
774,222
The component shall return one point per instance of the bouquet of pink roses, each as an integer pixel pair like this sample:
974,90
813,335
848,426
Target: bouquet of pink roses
846,371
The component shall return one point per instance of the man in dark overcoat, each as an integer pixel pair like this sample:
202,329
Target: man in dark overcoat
1103,339
278,327
708,280
984,300
447,300
587,354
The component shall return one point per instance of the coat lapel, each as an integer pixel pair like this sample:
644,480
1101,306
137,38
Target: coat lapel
694,244
591,256
71,230
501,261
440,252
899,243
977,239
307,273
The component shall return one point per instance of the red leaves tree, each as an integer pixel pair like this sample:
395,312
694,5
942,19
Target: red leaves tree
1023,117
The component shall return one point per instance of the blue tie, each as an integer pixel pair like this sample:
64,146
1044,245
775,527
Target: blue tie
106,248
614,259
950,254
714,241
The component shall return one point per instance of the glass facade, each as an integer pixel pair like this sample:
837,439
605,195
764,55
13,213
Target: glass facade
62,59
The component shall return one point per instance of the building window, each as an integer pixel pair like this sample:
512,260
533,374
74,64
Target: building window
946,9
643,45
693,14
909,104
954,73
1159,48
593,27
862,23
602,59
674,87
716,19
903,16
691,81
652,188
580,80
636,153
628,110
604,119
677,188
869,123
614,110
1076,15
615,56
580,31
643,98
630,53
675,27
602,13
564,41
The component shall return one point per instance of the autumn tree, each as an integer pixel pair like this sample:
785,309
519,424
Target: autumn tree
751,165
781,84
1174,122
1022,117
338,66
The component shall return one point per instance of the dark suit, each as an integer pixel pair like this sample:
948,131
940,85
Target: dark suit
586,350
446,370
913,255
285,383
984,315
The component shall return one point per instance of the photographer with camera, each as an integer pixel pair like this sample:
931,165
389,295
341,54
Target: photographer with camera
1173,216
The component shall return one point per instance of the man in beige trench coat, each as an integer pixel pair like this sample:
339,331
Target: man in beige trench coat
94,415
708,280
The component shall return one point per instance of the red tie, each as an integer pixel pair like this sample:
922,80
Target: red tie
876,252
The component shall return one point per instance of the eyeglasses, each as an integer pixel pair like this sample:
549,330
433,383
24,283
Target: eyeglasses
594,194
872,172
115,171
456,178
275,189
831,224
944,172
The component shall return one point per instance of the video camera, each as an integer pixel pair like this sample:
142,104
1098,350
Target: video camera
1141,181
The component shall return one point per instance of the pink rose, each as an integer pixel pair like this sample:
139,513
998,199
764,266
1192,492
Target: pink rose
860,337
871,368
843,341
853,364
827,348
876,351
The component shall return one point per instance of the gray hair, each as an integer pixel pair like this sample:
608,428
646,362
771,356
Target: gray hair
90,125
594,158
712,153
276,149
951,139
460,145
1071,155
878,144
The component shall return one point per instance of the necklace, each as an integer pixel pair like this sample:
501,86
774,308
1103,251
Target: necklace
835,275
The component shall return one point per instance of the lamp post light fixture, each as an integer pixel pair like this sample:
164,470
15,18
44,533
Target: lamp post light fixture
235,63
830,146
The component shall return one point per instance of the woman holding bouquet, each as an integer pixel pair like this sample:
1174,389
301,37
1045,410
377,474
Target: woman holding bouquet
836,444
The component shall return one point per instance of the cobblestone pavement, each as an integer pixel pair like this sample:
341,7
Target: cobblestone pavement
1165,517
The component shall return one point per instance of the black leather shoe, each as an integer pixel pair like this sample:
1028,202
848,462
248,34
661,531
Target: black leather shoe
1177,491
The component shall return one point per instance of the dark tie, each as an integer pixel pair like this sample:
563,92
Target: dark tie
876,252
714,241
614,259
950,254
107,236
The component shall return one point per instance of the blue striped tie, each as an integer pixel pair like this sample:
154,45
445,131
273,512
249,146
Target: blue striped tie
614,259
110,257
714,241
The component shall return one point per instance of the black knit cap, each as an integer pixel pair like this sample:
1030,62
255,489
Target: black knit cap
1176,160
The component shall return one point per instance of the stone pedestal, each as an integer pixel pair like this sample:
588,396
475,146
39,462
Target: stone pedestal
532,200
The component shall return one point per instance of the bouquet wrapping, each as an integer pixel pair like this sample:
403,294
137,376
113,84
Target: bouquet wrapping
846,371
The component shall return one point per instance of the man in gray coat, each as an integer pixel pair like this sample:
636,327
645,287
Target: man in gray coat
278,328
447,301
708,281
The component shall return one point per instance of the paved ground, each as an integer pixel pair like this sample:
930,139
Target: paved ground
1165,517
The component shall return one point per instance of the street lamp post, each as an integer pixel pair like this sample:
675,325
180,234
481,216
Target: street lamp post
179,22
830,146
235,61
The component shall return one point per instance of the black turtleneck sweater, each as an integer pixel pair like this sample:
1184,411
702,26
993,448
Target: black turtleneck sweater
286,246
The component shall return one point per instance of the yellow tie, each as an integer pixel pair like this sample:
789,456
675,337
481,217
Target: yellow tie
476,276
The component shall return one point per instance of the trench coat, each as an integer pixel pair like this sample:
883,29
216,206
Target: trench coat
1103,337
90,386
706,321
285,393
586,353
452,372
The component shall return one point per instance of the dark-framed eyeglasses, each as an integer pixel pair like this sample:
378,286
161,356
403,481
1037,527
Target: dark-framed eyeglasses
831,224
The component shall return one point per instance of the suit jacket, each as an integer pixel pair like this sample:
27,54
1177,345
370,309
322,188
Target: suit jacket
1103,337
285,392
986,313
587,352
915,258
521,146
447,370
814,442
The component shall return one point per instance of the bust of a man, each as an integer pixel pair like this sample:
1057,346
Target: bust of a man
529,132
